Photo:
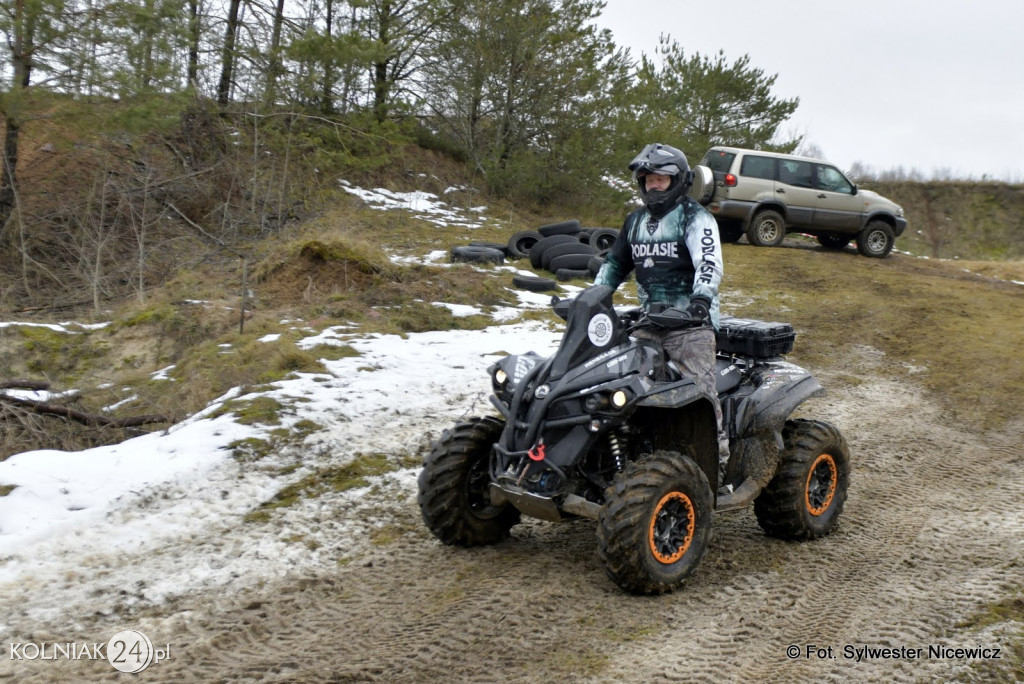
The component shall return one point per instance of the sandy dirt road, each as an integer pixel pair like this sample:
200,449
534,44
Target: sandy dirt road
930,537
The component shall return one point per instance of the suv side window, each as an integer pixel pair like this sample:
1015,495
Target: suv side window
758,167
829,178
798,173
718,160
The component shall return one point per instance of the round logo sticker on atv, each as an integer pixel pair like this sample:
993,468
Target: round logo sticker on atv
600,330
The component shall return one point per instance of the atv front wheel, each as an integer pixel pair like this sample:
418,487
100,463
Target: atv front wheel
804,499
655,525
454,487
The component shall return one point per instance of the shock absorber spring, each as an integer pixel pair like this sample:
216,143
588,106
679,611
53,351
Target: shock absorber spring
615,440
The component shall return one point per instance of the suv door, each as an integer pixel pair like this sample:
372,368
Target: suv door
758,174
838,208
795,188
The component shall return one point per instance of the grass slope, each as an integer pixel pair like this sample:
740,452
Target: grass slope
957,333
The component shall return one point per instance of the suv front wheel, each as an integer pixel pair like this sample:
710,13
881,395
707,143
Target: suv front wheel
767,229
876,239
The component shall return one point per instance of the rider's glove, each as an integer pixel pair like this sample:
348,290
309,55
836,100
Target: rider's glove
700,309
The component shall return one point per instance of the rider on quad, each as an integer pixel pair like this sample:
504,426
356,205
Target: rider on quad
672,243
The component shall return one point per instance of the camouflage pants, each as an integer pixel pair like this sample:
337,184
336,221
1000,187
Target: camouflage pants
693,351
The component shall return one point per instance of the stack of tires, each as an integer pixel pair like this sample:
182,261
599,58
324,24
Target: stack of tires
566,249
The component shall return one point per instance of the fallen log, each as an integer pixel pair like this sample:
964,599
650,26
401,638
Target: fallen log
93,419
24,384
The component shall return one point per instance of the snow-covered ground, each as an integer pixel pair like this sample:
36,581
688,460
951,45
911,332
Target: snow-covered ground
147,513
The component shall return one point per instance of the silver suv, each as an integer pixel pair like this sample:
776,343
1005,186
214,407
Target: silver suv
766,195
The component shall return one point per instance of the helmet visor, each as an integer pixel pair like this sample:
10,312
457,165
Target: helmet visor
645,168
657,158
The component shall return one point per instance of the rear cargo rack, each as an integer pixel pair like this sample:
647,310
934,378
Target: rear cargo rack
759,339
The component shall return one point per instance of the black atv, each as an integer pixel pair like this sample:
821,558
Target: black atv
606,429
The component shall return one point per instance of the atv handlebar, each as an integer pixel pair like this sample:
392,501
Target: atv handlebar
673,318
658,317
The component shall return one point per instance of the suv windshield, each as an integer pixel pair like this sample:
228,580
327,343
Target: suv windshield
718,160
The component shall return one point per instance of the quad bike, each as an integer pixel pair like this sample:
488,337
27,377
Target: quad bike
606,429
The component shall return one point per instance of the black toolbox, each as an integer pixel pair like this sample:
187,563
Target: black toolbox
760,339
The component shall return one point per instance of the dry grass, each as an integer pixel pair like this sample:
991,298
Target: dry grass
957,333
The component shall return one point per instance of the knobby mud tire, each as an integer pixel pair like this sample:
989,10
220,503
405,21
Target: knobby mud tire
454,487
805,498
656,523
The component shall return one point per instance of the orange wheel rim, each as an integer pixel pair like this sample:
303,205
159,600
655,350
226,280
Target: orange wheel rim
671,530
821,484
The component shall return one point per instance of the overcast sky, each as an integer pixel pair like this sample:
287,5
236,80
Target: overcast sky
925,84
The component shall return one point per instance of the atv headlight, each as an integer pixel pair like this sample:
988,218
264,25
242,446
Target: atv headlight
619,399
500,376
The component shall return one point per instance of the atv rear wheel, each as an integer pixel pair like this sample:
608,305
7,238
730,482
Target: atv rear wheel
656,523
804,499
454,487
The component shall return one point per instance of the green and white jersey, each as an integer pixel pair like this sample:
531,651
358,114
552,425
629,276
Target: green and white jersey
675,258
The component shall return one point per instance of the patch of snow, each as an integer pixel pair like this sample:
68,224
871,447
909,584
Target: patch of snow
460,310
424,205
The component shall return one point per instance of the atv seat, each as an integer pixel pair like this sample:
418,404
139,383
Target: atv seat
727,375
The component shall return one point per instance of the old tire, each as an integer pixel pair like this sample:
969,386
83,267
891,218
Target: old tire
503,248
534,283
804,499
876,240
571,227
603,238
564,274
454,487
542,245
520,243
477,255
594,264
576,262
767,229
655,524
833,240
575,248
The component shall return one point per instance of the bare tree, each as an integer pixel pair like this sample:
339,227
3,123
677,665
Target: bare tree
228,56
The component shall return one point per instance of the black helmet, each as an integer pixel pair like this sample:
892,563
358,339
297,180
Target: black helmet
664,160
